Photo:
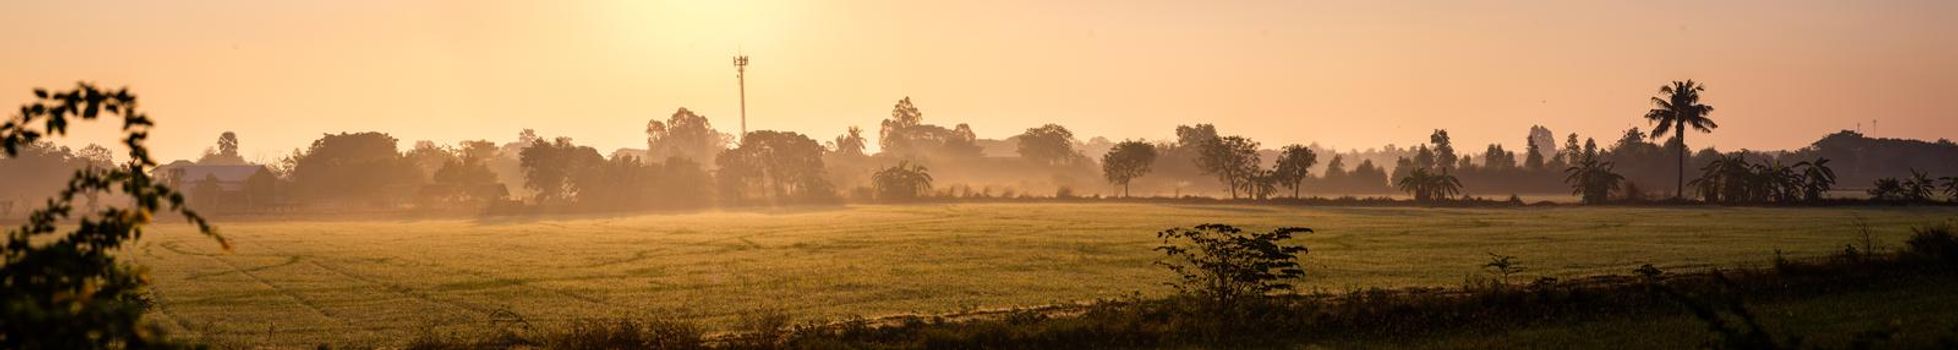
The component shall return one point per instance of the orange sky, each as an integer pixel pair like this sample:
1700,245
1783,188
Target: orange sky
1346,74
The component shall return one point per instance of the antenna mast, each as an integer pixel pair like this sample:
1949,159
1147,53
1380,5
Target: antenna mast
741,78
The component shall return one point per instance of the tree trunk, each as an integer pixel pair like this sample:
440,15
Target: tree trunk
1679,193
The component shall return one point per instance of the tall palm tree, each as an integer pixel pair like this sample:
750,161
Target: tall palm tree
1679,109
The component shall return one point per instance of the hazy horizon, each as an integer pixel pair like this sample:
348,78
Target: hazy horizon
1342,74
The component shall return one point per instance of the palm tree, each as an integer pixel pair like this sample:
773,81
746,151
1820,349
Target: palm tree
1951,187
1679,109
1817,178
1887,189
904,181
1918,187
1426,186
1780,182
1592,179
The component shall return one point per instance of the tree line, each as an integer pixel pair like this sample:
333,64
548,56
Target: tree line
687,163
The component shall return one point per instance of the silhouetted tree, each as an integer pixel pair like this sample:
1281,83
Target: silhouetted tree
1233,160
784,166
1918,187
682,184
1224,265
353,167
554,168
1049,144
1950,188
1593,180
685,135
1540,143
1679,109
1444,150
1428,187
427,157
905,135
1127,161
1817,178
850,143
226,152
1294,166
469,179
68,290
95,155
903,181
1887,189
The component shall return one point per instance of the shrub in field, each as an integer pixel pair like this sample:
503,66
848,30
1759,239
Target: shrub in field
67,290
1935,242
762,329
1503,266
627,333
1224,265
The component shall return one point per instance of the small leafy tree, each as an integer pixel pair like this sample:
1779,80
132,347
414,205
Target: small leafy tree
1225,265
1592,179
1503,266
68,291
1127,161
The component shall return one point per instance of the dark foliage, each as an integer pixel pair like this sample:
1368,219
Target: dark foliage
1228,267
66,290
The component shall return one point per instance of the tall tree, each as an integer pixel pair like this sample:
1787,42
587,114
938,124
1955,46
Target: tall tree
1049,144
1817,178
226,152
685,135
850,143
554,169
1233,160
353,168
1294,166
905,135
1444,149
786,166
1676,109
1127,161
1533,160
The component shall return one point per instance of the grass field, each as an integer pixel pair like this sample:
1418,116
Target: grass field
299,282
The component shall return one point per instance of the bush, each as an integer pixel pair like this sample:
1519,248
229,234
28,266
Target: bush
1224,265
628,334
1934,242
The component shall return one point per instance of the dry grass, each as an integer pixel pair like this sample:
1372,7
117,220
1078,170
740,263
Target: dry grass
298,282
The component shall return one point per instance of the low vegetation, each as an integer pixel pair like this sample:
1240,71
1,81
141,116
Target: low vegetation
1722,300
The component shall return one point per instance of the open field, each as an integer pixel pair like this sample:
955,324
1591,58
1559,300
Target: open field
297,282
